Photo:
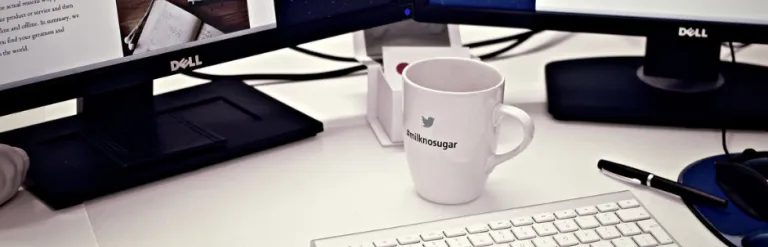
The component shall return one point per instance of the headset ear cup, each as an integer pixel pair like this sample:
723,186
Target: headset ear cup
748,154
745,187
755,160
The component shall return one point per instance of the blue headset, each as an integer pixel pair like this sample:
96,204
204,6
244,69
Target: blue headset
743,180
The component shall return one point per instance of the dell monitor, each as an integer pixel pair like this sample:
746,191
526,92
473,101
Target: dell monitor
681,81
106,55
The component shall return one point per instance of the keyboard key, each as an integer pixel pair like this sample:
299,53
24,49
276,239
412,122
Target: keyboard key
607,219
410,239
385,243
522,221
648,225
454,232
435,244
545,217
566,240
669,245
363,245
431,236
545,229
587,236
524,232
661,236
566,225
416,245
602,244
629,229
525,243
544,242
480,240
608,207
645,240
633,214
477,228
631,203
608,232
458,242
624,242
499,225
586,210
587,222
502,237
565,214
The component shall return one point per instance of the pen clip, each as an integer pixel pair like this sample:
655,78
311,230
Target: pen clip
619,177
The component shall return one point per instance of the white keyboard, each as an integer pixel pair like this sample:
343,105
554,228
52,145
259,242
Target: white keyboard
608,220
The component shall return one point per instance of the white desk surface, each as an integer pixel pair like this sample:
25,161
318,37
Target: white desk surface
342,181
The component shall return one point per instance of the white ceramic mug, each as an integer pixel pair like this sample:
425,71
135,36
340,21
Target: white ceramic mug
452,109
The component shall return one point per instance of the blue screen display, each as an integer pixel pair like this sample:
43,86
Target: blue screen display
495,4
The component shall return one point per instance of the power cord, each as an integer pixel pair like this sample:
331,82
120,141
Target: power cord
502,39
470,45
518,38
287,77
325,56
738,46
724,130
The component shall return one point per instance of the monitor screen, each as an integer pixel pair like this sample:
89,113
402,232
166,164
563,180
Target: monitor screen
39,37
734,11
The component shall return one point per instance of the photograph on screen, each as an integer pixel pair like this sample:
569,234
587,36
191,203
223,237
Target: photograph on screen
147,25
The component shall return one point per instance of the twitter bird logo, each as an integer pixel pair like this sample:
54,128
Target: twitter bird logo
427,122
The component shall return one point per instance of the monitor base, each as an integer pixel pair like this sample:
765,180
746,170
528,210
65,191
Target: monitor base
609,90
96,153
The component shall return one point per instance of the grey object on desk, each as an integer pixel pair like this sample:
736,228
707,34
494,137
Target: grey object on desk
14,164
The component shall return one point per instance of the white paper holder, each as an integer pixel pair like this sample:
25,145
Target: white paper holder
385,98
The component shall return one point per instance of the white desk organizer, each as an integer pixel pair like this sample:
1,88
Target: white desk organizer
385,100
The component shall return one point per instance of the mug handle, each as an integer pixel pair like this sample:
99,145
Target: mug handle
500,113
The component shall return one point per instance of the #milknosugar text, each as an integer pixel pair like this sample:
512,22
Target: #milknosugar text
441,144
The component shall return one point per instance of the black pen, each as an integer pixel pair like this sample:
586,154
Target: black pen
660,183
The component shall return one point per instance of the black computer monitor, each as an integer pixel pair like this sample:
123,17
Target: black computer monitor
106,55
681,80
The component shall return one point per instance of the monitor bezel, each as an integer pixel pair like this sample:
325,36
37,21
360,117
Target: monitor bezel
138,69
571,22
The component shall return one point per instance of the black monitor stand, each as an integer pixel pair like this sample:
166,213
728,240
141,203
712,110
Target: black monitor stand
680,82
125,138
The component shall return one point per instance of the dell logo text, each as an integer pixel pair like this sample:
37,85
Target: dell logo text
692,32
189,62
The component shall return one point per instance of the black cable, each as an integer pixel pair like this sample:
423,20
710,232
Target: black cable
470,45
524,37
725,146
724,130
341,72
325,56
288,77
739,46
502,39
